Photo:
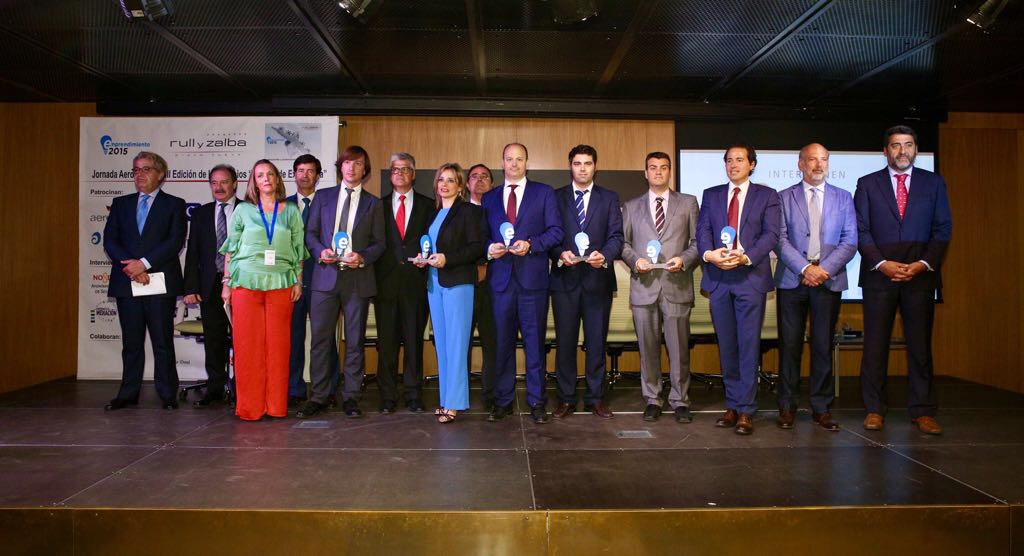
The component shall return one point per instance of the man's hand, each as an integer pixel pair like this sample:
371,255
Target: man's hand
908,271
352,260
193,299
567,258
142,278
814,276
497,250
643,266
520,247
133,267
894,270
328,256
296,292
481,272
437,260
596,259
725,259
225,294
675,264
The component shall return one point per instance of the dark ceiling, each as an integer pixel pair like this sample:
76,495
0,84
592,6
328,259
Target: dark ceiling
677,57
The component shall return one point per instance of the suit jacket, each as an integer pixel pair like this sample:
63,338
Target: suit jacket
367,237
537,220
923,234
201,255
838,236
603,223
679,240
760,222
160,242
308,264
395,274
460,240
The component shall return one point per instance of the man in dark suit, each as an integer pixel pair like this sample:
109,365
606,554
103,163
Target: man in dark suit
582,289
401,302
342,283
307,171
818,237
479,183
904,225
519,279
204,272
143,236
738,277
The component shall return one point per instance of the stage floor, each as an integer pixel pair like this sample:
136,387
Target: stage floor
58,448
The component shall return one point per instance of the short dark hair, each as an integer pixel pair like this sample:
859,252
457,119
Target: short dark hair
659,156
899,130
751,153
522,146
353,152
224,168
583,149
484,166
307,159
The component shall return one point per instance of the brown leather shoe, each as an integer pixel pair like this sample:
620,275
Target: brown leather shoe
600,410
745,424
564,410
927,425
825,421
785,420
874,422
727,420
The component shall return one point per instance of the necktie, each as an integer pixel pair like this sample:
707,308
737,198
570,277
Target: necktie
305,211
400,217
510,208
581,214
343,225
734,215
901,193
814,215
141,212
222,234
659,215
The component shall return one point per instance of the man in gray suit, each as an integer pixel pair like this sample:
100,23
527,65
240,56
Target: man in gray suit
661,299
342,283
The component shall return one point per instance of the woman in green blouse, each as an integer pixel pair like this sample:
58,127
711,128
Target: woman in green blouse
263,257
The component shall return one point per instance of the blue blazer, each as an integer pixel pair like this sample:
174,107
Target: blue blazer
307,265
367,239
160,242
923,234
838,236
760,222
537,220
603,223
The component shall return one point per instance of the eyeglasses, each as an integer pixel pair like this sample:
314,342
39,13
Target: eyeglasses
402,170
143,170
480,176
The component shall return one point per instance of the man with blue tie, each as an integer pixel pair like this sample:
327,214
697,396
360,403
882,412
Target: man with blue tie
904,225
519,279
342,283
582,289
204,272
738,277
143,236
818,238
307,171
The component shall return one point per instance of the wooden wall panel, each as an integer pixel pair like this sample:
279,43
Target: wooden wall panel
39,249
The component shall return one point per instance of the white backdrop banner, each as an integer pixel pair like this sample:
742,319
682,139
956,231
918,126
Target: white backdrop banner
191,147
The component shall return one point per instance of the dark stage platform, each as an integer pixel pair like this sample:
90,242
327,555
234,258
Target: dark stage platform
78,480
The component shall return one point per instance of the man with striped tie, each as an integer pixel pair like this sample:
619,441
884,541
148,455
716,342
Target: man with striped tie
662,296
583,280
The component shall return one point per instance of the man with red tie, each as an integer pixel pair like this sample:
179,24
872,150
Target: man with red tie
401,302
904,226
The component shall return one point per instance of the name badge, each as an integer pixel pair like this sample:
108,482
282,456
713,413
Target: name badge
270,257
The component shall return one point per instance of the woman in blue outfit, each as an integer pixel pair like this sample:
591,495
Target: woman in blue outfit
457,243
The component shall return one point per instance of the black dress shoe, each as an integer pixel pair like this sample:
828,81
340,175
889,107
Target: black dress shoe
540,415
415,405
208,401
683,415
295,401
499,412
171,405
351,409
488,404
332,400
310,408
652,412
387,407
118,403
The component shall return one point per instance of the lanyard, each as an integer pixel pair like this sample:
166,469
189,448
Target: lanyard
273,223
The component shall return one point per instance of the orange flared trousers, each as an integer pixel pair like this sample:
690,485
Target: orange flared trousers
261,331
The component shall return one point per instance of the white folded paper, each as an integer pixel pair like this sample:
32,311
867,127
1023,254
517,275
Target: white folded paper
156,286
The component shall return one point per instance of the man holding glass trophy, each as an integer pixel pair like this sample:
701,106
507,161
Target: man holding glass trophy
660,249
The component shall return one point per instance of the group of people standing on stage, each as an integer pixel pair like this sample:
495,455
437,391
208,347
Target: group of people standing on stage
493,258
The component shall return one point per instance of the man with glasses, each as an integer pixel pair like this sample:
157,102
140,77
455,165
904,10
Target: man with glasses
143,235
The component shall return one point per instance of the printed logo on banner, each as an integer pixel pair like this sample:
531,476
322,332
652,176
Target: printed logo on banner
105,312
289,140
96,238
100,281
109,193
220,143
110,147
189,207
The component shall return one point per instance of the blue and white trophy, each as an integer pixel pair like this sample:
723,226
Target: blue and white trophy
341,244
582,244
507,231
424,253
653,250
728,237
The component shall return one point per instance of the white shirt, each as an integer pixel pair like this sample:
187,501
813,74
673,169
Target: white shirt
302,206
356,191
652,204
396,202
520,187
589,192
